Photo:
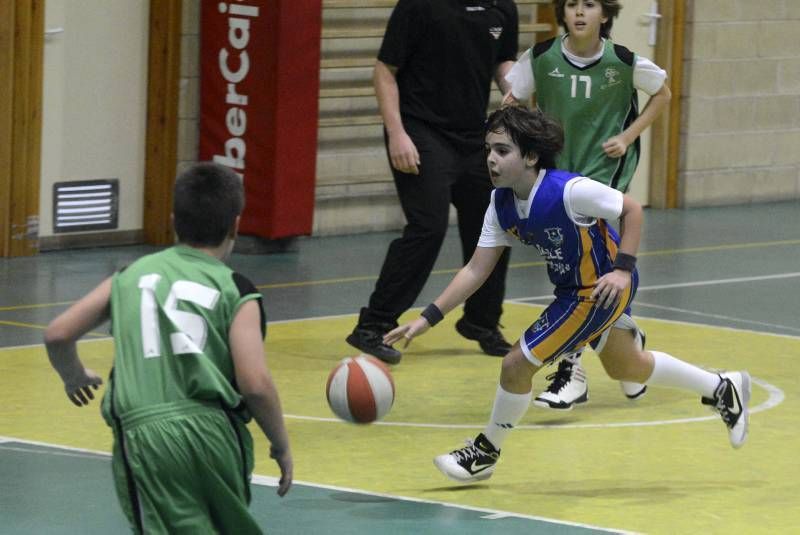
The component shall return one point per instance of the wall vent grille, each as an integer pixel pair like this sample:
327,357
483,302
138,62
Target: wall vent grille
85,205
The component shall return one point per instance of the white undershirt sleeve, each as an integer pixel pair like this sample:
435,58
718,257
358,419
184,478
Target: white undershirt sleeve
492,234
647,76
520,76
586,200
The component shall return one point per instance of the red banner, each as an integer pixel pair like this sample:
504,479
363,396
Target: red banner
259,85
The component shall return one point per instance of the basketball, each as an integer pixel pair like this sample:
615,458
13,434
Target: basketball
360,389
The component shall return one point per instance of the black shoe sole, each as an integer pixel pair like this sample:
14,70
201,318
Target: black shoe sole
638,394
387,358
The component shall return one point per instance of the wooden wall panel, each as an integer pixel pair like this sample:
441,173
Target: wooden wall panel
21,63
161,152
665,152
6,118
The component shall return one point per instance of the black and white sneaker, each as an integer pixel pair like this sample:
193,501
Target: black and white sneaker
567,388
474,462
731,400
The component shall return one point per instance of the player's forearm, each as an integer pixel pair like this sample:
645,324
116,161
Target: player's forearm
464,284
649,114
264,404
500,76
468,279
631,222
388,95
63,357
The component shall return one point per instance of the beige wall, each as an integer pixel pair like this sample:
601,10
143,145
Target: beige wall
740,132
94,105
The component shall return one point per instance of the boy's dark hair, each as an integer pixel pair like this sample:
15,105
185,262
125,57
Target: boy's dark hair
533,132
208,197
611,9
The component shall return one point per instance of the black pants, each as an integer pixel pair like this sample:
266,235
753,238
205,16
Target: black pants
447,174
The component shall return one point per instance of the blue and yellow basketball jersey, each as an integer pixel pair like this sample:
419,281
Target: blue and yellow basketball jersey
576,255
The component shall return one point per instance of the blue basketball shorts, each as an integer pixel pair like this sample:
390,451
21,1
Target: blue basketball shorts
569,323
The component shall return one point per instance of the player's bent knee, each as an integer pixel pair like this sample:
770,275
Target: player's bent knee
516,369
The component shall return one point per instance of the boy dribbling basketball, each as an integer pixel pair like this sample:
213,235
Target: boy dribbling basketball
593,270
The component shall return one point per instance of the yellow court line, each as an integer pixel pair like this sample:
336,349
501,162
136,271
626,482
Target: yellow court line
517,265
28,307
39,326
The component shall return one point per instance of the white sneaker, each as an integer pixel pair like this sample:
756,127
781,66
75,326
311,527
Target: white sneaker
635,391
731,400
568,387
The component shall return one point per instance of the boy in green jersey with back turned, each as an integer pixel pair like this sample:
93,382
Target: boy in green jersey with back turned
589,84
189,370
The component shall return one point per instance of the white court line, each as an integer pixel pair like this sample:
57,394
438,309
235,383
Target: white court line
51,445
716,316
775,398
680,322
710,282
492,514
270,481
523,300
58,453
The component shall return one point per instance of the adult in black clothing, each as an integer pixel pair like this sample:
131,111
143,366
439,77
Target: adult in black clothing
432,79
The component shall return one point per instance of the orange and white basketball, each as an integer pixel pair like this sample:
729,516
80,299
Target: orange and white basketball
360,389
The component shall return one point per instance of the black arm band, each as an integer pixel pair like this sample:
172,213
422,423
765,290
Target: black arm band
432,314
625,262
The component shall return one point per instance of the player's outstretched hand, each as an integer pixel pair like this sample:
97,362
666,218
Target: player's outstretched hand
608,288
79,388
407,331
615,147
286,464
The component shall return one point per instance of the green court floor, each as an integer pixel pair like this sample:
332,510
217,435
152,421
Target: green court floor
74,493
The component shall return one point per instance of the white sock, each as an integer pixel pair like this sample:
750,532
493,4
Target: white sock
507,411
669,371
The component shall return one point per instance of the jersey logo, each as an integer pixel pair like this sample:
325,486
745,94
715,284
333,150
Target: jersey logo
611,75
541,324
496,32
554,235
555,74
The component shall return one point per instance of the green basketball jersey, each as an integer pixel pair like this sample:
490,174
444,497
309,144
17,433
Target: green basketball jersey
592,103
170,316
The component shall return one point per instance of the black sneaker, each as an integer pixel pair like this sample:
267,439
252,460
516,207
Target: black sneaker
474,462
371,343
731,400
491,340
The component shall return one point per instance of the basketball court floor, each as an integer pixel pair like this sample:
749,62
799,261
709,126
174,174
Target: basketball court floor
720,287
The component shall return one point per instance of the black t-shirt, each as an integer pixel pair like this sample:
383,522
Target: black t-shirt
446,52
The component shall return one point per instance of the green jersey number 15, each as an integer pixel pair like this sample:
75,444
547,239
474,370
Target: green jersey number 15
191,328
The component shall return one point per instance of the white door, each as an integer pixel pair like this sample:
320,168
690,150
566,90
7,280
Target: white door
632,30
94,101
